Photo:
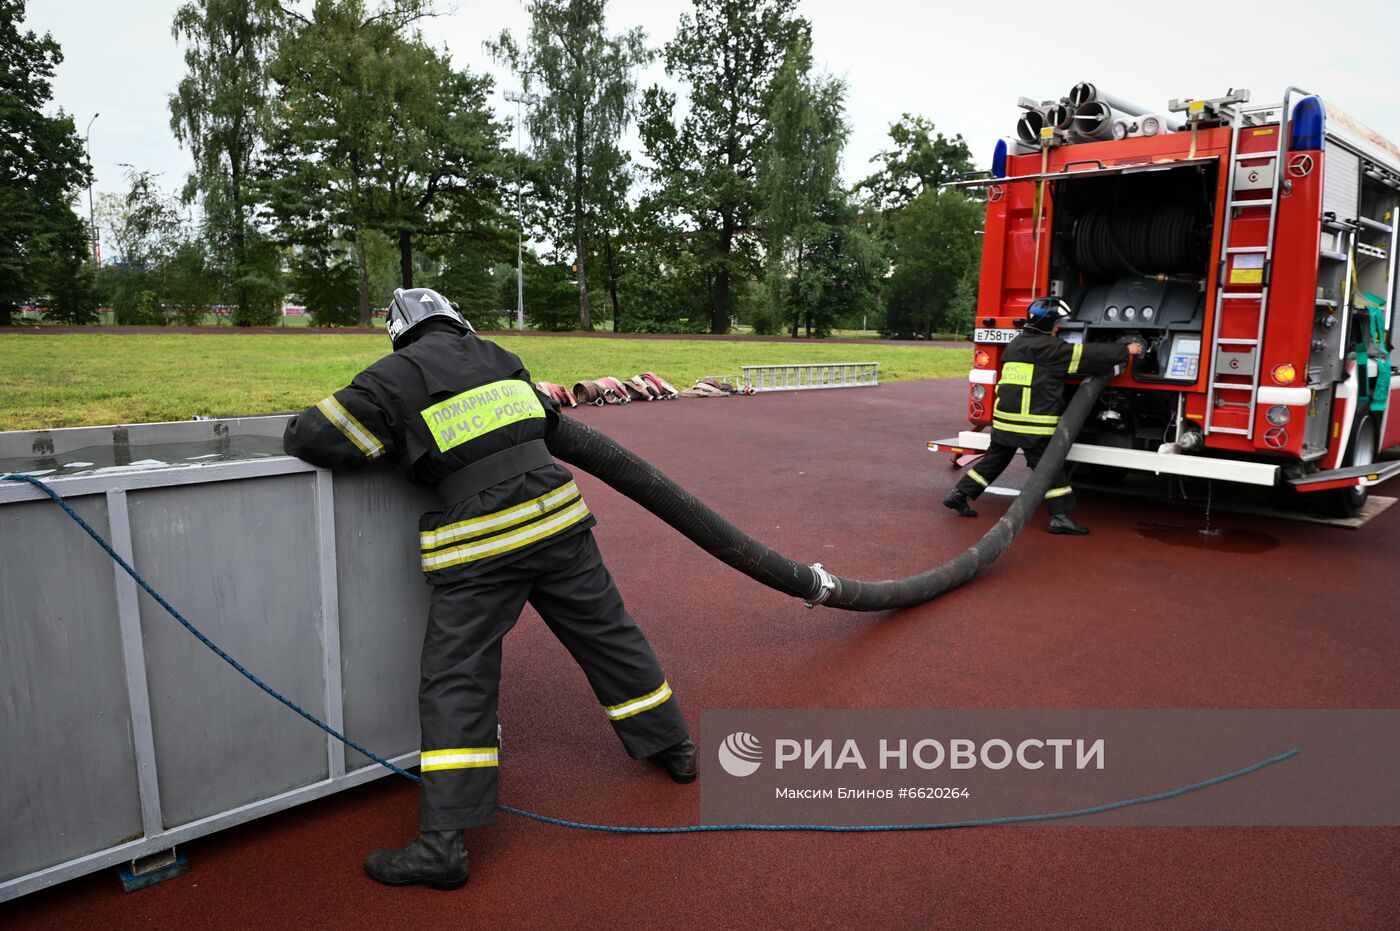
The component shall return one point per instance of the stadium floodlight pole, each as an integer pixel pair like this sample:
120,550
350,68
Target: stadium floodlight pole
92,216
517,98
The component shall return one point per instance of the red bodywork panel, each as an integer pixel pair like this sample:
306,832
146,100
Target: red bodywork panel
1014,271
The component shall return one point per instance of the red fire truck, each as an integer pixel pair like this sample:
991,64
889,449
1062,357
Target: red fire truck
1252,248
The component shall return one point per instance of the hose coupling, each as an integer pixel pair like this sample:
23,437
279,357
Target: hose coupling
826,587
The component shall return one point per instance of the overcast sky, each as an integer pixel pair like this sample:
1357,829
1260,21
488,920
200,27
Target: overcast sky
963,66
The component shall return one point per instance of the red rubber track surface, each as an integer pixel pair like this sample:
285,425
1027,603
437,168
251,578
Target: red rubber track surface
1112,620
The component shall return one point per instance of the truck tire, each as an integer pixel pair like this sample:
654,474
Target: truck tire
1348,502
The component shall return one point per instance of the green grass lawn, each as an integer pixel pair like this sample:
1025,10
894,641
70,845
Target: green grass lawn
93,378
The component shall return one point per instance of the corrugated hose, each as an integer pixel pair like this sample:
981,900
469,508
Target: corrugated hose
586,448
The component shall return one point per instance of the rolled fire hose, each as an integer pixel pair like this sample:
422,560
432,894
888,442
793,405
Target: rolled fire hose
580,445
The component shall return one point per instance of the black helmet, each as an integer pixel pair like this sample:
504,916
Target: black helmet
1044,313
412,307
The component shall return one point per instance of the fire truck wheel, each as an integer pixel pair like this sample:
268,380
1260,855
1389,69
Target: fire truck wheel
1348,502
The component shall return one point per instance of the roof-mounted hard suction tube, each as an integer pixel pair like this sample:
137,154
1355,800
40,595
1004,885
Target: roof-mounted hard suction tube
1084,97
1029,125
1086,93
1093,121
1059,116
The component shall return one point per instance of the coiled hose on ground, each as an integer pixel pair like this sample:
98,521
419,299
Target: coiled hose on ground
580,445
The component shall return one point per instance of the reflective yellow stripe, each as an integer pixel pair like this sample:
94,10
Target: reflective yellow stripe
1018,373
638,705
500,520
505,543
480,410
1059,492
1074,358
1022,428
1029,418
1021,375
972,474
460,758
354,431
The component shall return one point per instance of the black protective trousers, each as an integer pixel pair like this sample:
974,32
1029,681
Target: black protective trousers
567,583
1059,499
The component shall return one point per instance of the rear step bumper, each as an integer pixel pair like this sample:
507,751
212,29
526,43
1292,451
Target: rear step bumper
1364,475
1227,470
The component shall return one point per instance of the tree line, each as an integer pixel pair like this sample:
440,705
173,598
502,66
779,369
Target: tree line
338,154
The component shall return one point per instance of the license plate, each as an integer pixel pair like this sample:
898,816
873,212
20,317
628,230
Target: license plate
994,335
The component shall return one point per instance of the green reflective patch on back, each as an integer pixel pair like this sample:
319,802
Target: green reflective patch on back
477,411
1017,373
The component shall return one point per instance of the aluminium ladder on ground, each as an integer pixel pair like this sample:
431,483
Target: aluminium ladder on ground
1259,299
806,376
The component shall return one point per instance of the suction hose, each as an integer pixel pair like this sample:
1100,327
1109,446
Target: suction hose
580,445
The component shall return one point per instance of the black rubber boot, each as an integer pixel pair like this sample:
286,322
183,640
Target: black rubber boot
1063,523
678,760
435,858
958,502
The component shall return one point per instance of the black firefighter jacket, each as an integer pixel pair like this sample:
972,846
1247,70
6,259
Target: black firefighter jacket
444,401
1031,389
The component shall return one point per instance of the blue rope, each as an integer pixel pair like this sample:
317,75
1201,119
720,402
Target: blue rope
628,829
936,826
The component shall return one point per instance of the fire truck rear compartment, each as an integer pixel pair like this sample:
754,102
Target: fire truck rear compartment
1130,254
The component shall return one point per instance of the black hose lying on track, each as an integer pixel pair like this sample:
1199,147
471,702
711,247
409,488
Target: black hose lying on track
593,452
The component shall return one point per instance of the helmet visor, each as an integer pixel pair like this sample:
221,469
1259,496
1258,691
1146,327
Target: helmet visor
1051,308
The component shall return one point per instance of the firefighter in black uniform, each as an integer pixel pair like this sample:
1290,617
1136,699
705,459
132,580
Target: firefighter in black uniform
461,414
1029,401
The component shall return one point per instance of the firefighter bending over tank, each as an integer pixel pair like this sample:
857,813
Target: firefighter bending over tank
461,414
1029,401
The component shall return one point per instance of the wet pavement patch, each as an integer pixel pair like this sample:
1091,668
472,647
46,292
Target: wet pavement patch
1215,539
